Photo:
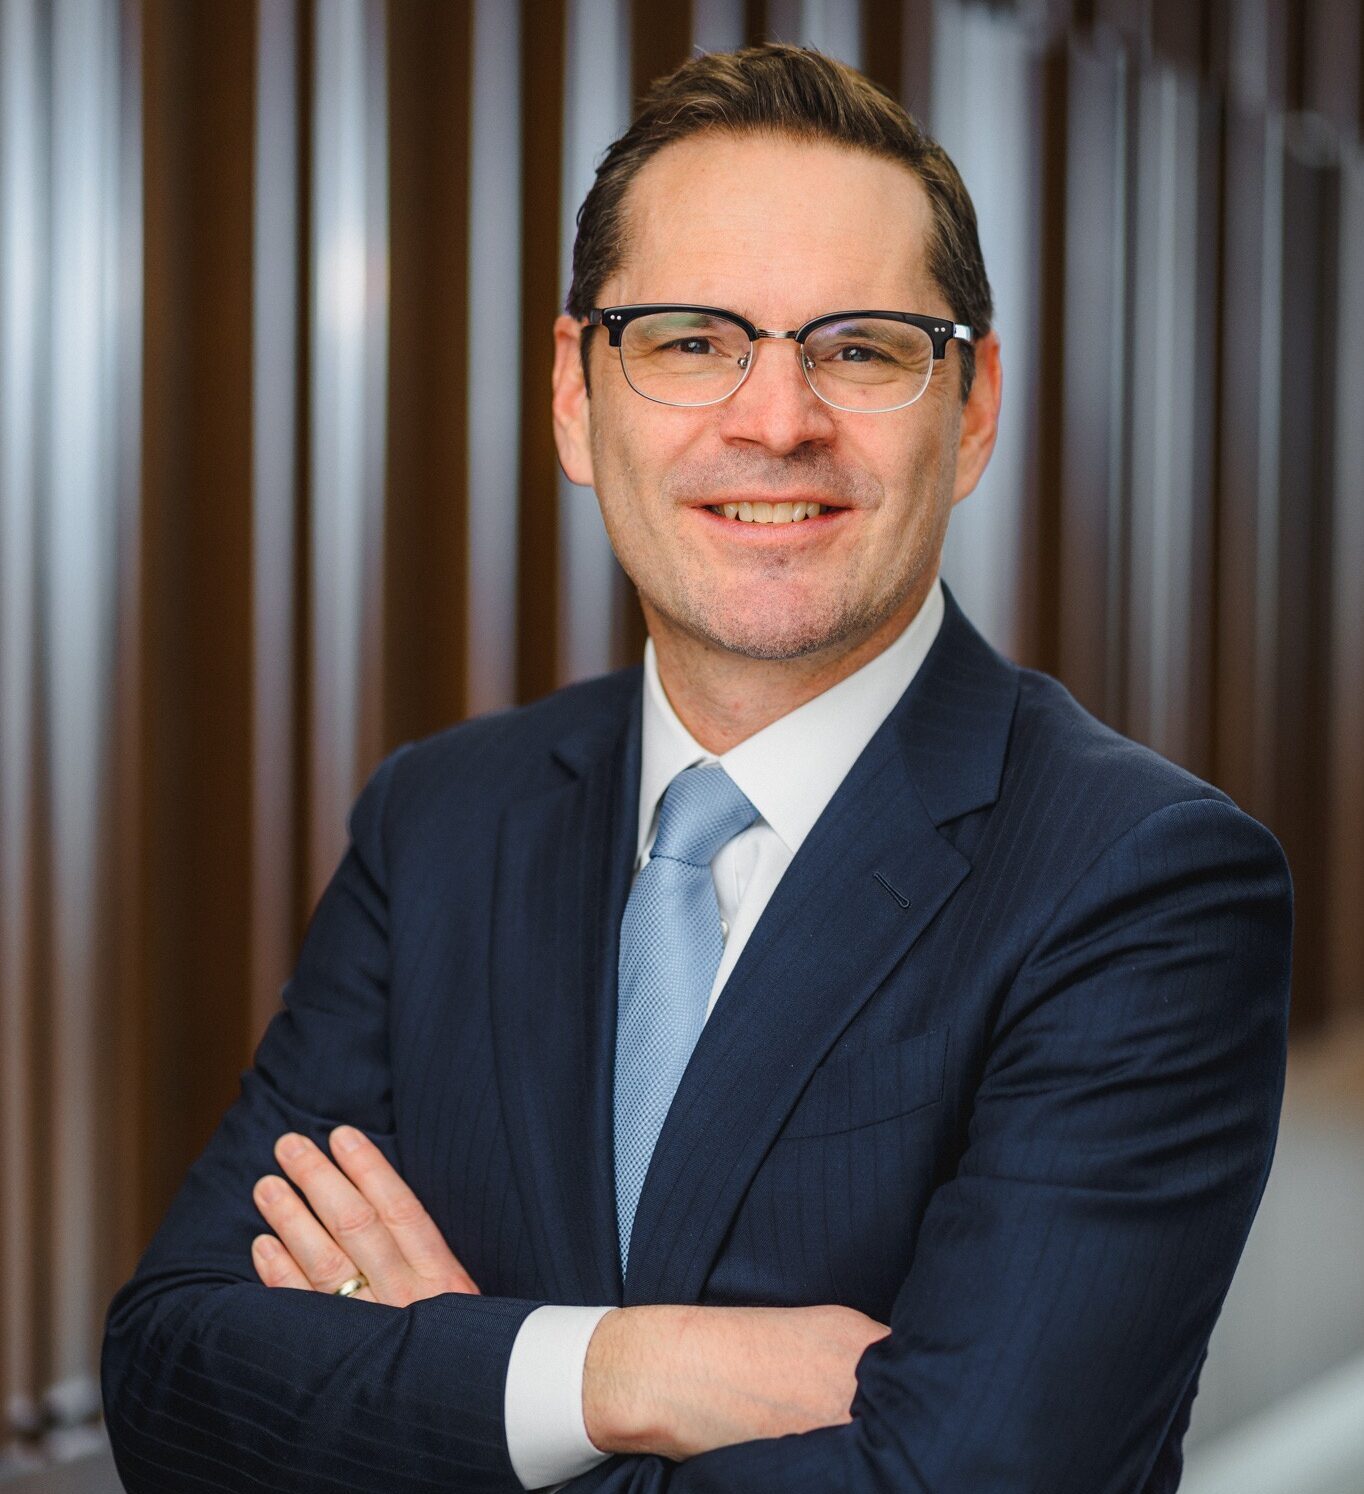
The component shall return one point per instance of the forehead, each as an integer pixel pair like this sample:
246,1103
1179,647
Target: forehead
776,228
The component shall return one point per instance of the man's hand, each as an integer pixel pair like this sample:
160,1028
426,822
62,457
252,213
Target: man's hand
678,1381
372,1224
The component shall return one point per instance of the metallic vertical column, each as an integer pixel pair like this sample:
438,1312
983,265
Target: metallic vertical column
717,25
1345,793
494,343
274,422
349,333
78,562
1167,390
831,26
23,107
596,109
987,116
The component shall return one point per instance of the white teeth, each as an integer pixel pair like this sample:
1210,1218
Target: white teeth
769,513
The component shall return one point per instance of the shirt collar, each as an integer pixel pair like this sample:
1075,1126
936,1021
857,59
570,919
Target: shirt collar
794,765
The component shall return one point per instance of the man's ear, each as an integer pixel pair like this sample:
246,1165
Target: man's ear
979,417
572,409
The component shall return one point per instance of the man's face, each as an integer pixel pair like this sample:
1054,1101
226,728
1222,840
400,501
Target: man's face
779,231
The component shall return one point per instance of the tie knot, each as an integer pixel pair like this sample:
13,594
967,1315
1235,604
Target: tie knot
702,808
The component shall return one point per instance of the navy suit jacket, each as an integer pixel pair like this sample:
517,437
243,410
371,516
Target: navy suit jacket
1001,1066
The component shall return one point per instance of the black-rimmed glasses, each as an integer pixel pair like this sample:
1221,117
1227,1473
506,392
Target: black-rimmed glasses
867,361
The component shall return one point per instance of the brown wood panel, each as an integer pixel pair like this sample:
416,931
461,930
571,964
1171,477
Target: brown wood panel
1299,815
426,537
1245,680
1333,60
1344,793
1090,565
542,95
660,40
199,82
1039,629
916,58
1273,673
883,41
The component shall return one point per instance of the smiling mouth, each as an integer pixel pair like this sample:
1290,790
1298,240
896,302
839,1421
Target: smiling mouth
769,513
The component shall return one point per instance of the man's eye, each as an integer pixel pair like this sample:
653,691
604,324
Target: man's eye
858,353
698,345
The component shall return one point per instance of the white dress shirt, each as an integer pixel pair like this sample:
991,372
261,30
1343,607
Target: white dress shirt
789,770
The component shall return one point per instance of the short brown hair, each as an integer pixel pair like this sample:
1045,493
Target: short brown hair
802,94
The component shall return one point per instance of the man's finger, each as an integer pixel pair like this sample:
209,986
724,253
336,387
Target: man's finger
323,1260
275,1266
398,1207
347,1216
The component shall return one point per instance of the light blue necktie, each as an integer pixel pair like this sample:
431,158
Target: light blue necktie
670,948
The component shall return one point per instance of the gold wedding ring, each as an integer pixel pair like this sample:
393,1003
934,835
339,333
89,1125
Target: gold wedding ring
349,1287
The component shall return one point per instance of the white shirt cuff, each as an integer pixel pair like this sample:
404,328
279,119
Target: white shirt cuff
547,1440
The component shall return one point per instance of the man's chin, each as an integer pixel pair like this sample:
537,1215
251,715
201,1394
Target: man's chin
773,638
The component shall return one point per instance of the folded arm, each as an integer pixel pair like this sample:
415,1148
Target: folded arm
213,1380
1067,1278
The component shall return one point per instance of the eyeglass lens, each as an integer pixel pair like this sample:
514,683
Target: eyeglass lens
855,363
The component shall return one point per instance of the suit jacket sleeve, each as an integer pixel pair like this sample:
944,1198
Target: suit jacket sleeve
1067,1278
213,1381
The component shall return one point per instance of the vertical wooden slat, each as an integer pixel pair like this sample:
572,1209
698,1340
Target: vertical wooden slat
918,30
542,83
1094,429
196,563
426,531
883,40
1305,397
1334,62
1344,791
1247,457
661,39
1039,626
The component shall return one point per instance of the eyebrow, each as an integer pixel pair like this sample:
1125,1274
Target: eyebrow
872,333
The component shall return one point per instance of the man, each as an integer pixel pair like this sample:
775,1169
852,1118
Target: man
826,1058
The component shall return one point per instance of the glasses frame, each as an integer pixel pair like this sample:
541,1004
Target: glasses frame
617,318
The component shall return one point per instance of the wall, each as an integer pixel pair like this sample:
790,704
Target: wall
269,506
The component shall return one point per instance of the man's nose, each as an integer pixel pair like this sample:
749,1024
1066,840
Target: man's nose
775,407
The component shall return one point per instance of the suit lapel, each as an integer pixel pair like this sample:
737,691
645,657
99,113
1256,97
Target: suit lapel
563,868
872,874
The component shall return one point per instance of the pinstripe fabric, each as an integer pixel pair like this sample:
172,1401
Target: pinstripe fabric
1000,1065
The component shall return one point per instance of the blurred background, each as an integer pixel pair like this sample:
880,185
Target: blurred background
278,491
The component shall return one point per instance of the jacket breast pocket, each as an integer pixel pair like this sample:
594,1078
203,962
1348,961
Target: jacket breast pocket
851,1090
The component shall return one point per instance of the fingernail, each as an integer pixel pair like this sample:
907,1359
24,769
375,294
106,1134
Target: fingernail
265,1247
346,1139
270,1189
292,1145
